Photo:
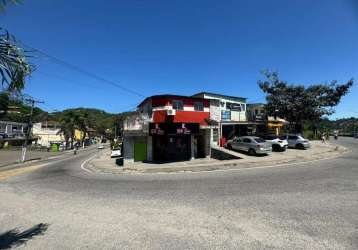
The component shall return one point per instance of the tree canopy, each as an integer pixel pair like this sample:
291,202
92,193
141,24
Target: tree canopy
298,103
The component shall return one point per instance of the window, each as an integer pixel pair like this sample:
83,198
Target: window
178,105
215,134
247,140
225,115
259,140
292,137
234,106
198,106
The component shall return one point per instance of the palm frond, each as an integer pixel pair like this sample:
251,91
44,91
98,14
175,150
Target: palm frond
14,66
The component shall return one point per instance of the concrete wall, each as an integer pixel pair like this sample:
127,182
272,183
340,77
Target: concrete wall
149,148
207,142
128,149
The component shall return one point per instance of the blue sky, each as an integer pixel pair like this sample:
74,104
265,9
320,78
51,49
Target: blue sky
183,47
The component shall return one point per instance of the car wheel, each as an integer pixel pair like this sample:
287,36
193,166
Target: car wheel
252,151
276,148
300,146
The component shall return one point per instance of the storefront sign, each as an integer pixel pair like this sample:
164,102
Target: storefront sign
174,128
183,130
156,130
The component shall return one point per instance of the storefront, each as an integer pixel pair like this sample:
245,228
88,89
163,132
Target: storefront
175,141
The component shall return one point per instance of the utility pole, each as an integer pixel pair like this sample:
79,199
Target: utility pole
29,128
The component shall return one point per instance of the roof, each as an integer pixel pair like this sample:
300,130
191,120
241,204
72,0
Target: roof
256,104
166,96
13,123
234,98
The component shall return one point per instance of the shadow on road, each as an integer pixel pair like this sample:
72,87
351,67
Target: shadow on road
15,238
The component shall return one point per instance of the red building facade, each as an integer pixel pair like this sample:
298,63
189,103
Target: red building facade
177,127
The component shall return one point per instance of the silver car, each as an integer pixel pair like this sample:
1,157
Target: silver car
251,144
296,141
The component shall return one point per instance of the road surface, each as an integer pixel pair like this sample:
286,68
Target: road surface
61,206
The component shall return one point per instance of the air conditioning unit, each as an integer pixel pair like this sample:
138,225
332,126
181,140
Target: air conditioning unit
171,112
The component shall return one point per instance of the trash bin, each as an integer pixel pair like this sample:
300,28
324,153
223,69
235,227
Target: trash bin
55,147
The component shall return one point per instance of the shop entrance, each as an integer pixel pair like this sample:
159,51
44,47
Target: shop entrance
171,148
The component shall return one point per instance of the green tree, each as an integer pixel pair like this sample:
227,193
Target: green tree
68,121
297,103
4,103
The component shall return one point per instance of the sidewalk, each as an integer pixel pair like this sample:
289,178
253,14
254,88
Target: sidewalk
10,159
102,163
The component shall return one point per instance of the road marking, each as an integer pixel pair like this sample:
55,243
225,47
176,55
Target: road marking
22,170
85,162
13,172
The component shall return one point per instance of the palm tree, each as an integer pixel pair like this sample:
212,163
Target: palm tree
14,66
4,3
68,123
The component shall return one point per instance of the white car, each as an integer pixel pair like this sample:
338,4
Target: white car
116,152
277,143
296,141
100,147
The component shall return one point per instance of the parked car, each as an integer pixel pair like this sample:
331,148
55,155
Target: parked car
250,144
276,142
296,141
116,152
3,136
356,136
100,146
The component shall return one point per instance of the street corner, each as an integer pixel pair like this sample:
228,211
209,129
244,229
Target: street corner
102,163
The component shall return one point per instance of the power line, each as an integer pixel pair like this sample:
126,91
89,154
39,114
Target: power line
65,79
85,72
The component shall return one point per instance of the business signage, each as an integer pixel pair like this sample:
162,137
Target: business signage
225,115
173,128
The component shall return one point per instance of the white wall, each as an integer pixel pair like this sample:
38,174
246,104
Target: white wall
46,135
235,115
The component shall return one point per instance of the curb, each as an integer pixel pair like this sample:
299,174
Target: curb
220,166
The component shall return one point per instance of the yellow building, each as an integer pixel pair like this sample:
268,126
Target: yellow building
79,135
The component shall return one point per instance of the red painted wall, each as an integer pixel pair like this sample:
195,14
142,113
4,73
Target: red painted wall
181,117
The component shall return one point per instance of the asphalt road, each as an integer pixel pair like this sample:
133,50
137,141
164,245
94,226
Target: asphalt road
61,206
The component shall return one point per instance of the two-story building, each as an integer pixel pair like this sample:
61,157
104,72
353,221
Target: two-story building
47,133
11,129
263,123
230,114
168,128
